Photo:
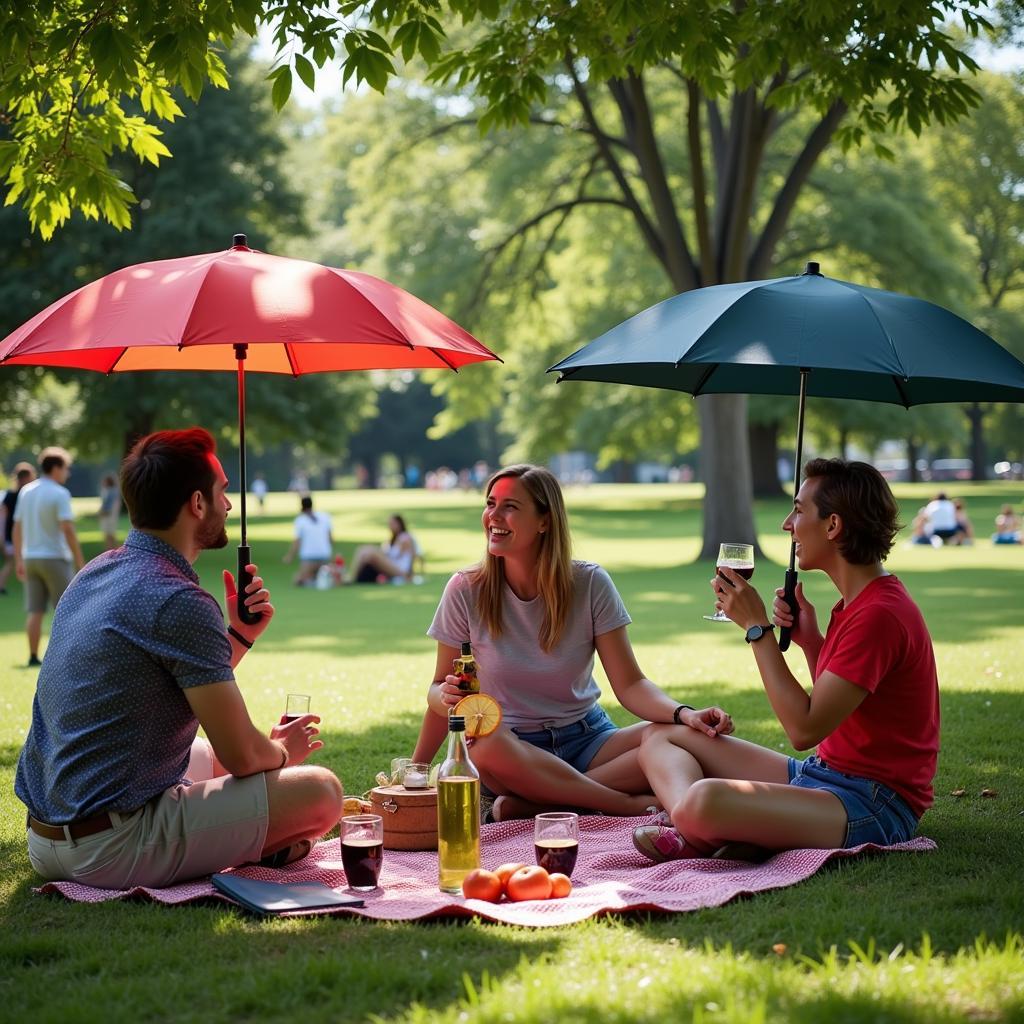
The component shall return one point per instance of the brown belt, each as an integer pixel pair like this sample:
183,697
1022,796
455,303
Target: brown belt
76,829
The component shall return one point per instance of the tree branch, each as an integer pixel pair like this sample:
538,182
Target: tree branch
698,183
647,229
785,200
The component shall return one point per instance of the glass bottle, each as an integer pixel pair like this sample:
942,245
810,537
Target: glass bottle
465,669
458,811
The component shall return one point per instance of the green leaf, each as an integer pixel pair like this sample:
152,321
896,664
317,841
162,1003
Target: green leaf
305,71
282,88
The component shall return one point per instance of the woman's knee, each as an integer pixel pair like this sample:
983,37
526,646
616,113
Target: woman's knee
702,806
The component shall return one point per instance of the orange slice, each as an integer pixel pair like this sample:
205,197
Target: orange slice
482,714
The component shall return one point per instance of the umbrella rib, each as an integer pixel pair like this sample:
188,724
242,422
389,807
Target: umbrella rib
904,397
699,386
291,360
444,359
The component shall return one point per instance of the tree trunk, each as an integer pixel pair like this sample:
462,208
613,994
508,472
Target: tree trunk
140,425
912,460
976,415
844,441
725,470
764,459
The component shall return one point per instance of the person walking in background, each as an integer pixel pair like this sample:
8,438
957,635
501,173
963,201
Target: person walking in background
259,491
313,543
46,549
393,562
110,510
22,474
120,789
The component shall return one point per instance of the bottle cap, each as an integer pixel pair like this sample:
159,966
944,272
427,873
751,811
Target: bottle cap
456,723
467,649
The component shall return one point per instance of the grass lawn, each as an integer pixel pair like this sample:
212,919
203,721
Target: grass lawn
910,938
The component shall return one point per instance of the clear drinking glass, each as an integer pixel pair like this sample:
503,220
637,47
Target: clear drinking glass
362,850
739,558
556,840
296,705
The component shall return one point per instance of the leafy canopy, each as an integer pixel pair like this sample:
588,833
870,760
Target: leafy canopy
71,74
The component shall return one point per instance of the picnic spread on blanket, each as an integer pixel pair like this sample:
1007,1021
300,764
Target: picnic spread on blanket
610,877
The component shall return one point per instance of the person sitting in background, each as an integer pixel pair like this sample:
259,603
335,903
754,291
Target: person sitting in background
313,543
963,520
919,528
1007,527
942,520
110,510
23,474
872,713
390,563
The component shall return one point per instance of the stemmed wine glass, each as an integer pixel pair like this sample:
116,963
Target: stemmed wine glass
739,558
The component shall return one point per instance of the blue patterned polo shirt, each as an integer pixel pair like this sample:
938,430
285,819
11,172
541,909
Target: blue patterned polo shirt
111,726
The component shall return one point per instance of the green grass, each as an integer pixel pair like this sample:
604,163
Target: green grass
905,939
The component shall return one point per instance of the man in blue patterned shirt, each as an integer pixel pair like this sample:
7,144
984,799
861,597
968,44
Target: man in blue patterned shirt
120,790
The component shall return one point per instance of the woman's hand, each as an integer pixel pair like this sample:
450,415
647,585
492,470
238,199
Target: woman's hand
712,721
445,694
738,599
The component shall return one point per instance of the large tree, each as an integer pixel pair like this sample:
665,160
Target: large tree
741,70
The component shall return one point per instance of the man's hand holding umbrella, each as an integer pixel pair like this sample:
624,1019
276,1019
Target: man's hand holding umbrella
243,635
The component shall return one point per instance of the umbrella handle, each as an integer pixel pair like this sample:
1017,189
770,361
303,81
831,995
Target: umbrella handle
789,596
244,579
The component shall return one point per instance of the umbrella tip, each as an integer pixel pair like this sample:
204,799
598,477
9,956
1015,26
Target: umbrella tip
239,242
813,268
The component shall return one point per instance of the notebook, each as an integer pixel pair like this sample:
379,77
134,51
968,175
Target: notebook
280,897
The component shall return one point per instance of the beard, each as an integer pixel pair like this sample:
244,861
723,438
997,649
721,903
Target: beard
212,533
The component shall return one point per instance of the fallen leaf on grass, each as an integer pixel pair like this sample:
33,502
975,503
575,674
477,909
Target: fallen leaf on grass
779,948
989,794
959,793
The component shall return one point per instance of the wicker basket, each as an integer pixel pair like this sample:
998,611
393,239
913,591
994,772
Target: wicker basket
410,817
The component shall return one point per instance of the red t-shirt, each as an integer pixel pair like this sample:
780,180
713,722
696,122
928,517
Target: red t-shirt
880,642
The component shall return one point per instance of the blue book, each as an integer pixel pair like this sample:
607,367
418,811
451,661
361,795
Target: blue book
277,897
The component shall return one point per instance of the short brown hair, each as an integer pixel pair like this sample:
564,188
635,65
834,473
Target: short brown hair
53,458
860,496
162,472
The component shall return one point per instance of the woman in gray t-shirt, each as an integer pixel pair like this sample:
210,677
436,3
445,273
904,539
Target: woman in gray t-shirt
535,619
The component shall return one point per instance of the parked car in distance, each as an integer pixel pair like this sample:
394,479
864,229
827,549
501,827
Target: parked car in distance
952,469
1008,470
898,469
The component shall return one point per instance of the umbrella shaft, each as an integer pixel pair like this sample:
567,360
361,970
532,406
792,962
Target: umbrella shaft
240,353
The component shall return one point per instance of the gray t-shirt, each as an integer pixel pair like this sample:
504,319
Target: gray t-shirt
535,689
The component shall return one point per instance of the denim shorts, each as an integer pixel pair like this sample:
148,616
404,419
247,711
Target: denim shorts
576,744
874,813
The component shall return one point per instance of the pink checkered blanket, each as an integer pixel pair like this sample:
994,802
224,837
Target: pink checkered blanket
610,877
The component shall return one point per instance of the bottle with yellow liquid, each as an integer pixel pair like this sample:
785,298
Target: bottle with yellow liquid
465,669
458,811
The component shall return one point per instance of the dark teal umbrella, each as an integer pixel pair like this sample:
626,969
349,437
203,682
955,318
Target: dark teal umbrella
803,335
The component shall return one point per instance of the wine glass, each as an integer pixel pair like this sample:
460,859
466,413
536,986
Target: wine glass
556,840
739,558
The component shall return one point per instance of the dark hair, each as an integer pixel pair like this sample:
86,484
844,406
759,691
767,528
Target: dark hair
163,471
24,474
307,505
395,534
860,496
53,458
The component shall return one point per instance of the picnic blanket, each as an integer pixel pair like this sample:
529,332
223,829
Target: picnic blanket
610,877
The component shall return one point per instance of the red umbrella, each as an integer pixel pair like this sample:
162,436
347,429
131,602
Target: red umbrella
236,309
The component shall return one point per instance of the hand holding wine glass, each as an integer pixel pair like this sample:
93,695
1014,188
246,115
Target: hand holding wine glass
739,558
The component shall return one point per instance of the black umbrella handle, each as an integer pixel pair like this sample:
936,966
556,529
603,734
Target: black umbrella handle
789,596
244,579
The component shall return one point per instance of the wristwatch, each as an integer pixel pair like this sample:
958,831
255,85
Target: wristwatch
756,632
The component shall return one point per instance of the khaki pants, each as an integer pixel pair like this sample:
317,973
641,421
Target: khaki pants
187,832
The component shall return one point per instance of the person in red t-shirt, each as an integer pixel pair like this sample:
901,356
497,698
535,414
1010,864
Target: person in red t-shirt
873,711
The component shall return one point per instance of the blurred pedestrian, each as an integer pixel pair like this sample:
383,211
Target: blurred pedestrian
110,510
46,549
259,491
313,543
22,474
1007,527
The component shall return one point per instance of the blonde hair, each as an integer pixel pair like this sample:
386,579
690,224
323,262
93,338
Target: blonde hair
554,563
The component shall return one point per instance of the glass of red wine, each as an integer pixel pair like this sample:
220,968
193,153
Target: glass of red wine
556,841
739,558
362,850
296,705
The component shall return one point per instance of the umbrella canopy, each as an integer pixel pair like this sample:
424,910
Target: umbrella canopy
802,335
754,338
240,309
